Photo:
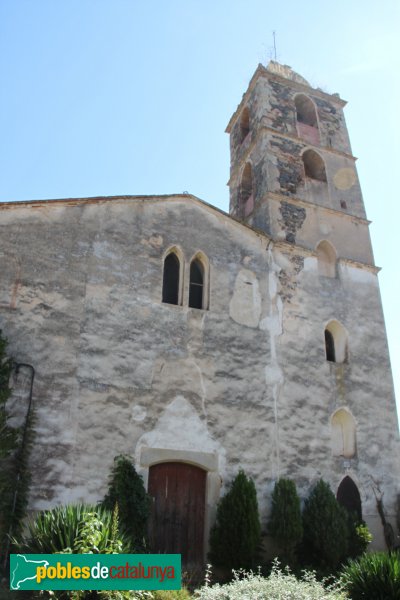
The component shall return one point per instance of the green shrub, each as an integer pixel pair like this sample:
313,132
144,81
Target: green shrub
326,532
278,586
375,576
359,536
182,594
76,528
285,524
127,490
235,537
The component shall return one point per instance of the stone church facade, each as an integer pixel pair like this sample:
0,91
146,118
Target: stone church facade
200,342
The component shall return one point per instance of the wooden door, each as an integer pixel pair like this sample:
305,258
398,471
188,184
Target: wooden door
177,520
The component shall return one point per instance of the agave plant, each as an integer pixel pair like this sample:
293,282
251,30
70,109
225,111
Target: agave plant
375,575
62,529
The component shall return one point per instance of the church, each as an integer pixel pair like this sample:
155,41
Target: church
200,342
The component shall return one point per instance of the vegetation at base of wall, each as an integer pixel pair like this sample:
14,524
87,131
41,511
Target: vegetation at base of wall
76,528
8,445
182,594
285,524
15,447
326,533
375,575
8,435
359,536
127,490
235,538
279,585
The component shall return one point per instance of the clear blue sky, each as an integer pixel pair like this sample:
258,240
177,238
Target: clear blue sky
107,97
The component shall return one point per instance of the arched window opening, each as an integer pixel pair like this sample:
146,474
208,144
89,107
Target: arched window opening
246,200
349,497
305,111
326,256
170,293
196,288
343,432
329,346
244,124
336,342
306,117
314,166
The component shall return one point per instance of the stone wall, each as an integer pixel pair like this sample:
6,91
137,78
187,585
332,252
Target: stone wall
244,384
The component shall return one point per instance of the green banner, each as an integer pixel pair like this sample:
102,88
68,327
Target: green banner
95,571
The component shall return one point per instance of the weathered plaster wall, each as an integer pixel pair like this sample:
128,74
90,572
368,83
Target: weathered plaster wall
110,358
243,384
315,388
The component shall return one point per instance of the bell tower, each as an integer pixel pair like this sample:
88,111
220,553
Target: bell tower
293,177
292,172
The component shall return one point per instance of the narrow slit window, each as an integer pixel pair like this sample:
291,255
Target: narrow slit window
244,125
196,289
329,346
170,293
246,201
336,342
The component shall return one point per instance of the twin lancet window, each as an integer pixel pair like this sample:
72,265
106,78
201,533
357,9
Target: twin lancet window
173,277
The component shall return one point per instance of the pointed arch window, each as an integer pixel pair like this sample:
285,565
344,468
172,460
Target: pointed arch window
314,166
196,287
336,349
343,434
171,275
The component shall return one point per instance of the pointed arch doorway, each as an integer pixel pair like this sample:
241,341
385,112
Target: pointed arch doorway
178,492
349,496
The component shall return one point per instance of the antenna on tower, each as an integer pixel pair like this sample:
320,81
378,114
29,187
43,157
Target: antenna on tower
273,34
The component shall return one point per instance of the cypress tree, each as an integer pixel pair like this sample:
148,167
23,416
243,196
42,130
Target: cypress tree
326,533
126,490
285,524
236,536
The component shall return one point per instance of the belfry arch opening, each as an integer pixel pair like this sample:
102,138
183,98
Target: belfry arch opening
336,345
314,166
306,119
349,497
305,111
343,434
326,256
